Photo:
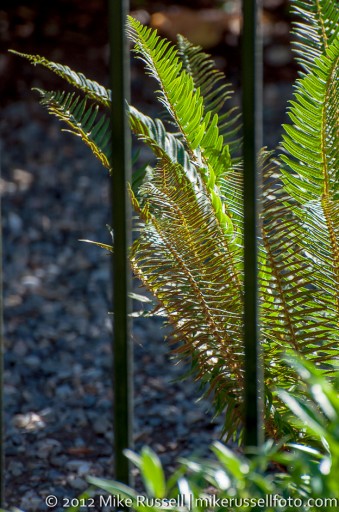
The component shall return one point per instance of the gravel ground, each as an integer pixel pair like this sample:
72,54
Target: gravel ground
57,328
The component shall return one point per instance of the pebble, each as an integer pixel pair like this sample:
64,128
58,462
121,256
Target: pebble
58,461
20,348
33,361
14,223
79,466
77,483
64,391
16,468
31,501
47,447
102,425
30,421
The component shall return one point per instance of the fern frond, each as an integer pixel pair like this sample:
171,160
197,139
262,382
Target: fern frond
184,103
311,167
89,87
316,32
214,91
297,313
178,94
153,130
156,137
183,258
83,121
312,141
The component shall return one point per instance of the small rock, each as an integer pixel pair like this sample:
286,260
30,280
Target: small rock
16,468
31,281
31,502
77,483
48,446
33,361
81,467
63,392
20,348
102,425
58,461
29,421
15,223
47,414
192,417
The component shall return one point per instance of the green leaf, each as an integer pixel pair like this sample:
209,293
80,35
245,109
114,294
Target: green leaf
83,120
234,465
152,473
115,488
91,88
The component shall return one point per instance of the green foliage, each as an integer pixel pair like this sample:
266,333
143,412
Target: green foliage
189,252
269,479
214,91
92,89
83,121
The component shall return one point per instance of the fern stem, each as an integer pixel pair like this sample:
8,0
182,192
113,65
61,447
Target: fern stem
225,341
334,246
325,197
321,23
201,299
276,273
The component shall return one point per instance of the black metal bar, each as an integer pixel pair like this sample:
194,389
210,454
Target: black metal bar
252,131
121,222
2,440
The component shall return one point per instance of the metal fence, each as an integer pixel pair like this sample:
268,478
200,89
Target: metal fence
252,134
121,221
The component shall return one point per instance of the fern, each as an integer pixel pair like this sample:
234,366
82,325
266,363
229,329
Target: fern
317,29
214,91
184,103
82,120
310,173
91,88
192,271
189,252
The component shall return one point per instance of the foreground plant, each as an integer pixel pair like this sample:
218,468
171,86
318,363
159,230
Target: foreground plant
296,478
189,252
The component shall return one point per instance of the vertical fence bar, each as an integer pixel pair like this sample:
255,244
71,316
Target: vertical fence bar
252,131
2,439
121,222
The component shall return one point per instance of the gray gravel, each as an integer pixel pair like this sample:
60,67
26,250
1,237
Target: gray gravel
58,330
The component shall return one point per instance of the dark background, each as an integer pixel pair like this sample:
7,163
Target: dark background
76,33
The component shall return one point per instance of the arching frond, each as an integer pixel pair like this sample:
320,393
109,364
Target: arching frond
317,29
311,169
199,130
179,96
296,313
91,88
83,121
184,259
311,142
215,92
154,131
